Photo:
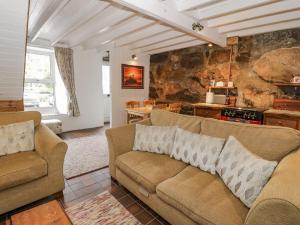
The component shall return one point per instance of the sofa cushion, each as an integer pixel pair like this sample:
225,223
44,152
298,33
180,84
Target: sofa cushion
16,137
202,197
196,149
156,139
148,169
244,173
165,118
269,142
20,168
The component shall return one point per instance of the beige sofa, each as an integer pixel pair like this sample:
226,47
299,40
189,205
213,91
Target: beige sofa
28,176
183,194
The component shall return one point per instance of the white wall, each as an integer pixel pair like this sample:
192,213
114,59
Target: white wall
88,83
120,96
13,17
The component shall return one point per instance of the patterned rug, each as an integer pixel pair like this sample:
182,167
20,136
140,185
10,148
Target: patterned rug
102,209
84,155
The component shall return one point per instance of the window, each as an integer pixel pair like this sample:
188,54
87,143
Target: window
106,80
39,85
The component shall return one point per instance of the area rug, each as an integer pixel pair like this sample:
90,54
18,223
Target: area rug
85,154
102,209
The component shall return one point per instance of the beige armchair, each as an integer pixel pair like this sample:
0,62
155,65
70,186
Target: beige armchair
29,176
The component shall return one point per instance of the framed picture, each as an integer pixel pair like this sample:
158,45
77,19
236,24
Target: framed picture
132,77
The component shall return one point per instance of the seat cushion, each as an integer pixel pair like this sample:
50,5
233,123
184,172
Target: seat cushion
269,142
148,169
202,197
165,118
20,168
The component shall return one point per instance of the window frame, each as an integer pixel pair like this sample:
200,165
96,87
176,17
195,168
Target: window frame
50,53
106,64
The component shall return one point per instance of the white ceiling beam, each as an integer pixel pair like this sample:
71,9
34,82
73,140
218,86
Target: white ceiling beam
69,30
176,47
110,17
142,34
127,27
168,35
228,7
283,17
275,8
185,5
173,18
52,10
163,44
267,28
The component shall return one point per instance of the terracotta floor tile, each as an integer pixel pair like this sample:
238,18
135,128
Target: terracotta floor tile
144,217
126,201
154,222
135,208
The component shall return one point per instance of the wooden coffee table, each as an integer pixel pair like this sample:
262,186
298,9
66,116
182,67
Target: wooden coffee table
50,213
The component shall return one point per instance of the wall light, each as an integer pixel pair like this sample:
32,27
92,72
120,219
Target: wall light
134,57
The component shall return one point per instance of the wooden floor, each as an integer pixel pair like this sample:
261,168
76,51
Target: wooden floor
91,184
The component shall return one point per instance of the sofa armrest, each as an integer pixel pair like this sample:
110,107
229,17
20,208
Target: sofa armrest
120,140
51,148
279,201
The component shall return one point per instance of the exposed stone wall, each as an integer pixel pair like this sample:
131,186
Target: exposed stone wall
258,61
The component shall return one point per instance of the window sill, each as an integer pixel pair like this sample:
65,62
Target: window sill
53,115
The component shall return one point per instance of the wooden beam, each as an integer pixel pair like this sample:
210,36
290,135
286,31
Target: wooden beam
267,28
185,5
168,43
173,18
123,29
176,47
283,17
142,34
229,6
168,35
102,22
77,25
54,8
275,8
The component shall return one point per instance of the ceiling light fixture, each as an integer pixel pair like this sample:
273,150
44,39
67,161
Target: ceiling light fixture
210,45
197,26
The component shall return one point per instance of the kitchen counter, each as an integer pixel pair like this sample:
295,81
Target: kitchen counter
282,112
207,105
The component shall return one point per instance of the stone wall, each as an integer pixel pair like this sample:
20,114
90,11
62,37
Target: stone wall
258,61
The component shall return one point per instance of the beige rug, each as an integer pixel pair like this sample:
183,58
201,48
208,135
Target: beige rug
84,155
102,209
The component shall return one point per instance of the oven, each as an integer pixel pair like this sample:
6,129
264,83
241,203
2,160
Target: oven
243,115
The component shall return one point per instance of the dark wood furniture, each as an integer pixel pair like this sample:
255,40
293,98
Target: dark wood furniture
208,110
48,213
282,118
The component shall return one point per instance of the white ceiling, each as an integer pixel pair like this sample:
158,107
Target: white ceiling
154,26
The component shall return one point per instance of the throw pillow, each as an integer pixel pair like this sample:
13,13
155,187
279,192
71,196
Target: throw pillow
196,149
16,137
154,139
244,173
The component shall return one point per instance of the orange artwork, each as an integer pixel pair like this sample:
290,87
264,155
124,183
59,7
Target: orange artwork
132,77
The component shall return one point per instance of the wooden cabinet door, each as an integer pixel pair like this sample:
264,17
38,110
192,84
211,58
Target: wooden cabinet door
284,122
208,112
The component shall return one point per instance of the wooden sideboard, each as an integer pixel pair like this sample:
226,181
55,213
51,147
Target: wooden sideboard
11,105
208,110
282,118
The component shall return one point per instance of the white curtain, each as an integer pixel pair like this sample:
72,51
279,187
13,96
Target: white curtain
64,59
